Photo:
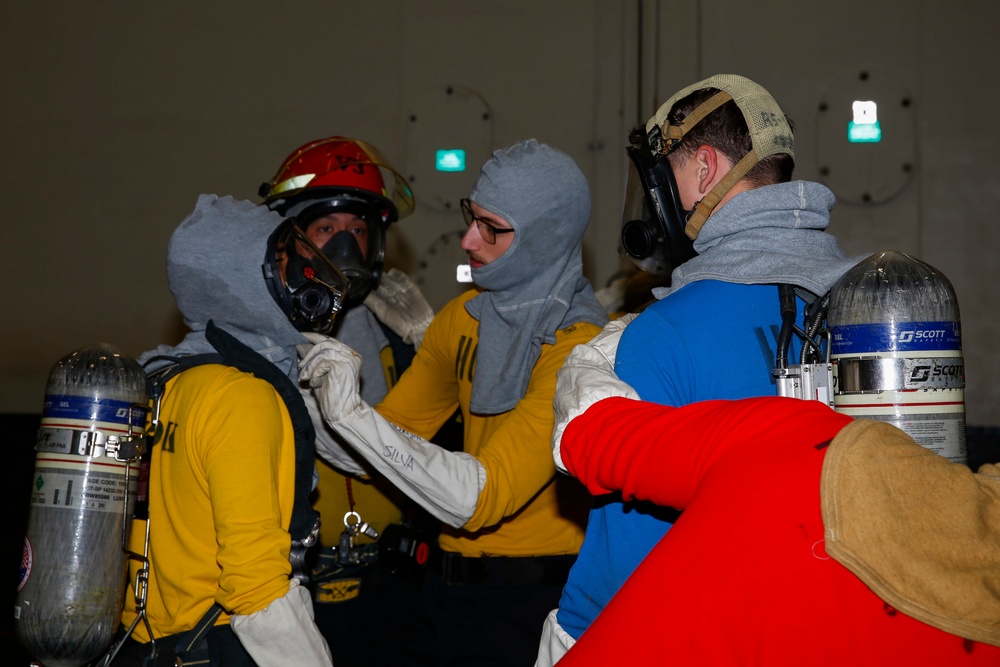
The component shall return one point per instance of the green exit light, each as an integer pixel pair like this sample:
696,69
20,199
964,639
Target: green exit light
864,129
864,133
450,160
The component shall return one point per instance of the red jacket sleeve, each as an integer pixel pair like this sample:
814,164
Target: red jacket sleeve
659,453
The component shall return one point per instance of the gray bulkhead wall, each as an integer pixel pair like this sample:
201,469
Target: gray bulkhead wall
117,115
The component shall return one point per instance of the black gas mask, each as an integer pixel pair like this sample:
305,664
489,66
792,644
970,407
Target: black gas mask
351,234
304,281
652,232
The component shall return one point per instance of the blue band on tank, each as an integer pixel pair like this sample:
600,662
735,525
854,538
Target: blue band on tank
895,337
93,409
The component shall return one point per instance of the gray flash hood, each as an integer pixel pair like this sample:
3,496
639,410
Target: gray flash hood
537,286
214,270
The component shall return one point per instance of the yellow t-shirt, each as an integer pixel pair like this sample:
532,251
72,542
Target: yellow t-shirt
524,509
221,491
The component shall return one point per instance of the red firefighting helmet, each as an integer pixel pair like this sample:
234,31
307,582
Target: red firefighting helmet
338,169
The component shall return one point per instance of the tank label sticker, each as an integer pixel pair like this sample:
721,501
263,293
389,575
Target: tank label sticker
939,430
27,559
87,408
80,486
896,337
933,373
57,440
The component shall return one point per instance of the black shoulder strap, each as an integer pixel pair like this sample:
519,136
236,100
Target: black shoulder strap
157,380
231,352
247,360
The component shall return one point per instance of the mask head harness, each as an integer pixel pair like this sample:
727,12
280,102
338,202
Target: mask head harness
338,175
657,233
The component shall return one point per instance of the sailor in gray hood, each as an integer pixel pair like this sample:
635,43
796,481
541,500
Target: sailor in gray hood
537,286
512,528
222,476
214,270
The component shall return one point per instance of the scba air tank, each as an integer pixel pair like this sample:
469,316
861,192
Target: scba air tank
72,579
896,346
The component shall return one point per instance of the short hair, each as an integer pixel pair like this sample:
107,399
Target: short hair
726,130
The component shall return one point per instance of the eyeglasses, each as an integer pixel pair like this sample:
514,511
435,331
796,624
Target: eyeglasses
486,230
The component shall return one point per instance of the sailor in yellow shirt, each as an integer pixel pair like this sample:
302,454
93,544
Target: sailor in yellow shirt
335,189
220,501
516,510
226,483
512,528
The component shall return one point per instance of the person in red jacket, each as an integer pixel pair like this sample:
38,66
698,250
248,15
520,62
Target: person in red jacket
777,493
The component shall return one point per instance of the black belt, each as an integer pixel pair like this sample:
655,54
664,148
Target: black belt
457,569
184,648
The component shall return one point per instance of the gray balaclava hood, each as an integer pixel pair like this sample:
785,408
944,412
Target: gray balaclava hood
214,270
537,286
769,235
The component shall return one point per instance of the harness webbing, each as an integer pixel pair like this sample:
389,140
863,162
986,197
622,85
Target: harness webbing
231,352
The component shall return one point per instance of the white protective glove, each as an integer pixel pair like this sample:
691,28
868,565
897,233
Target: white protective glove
555,642
329,446
446,484
399,304
284,632
586,377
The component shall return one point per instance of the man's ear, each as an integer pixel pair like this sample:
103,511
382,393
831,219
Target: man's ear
708,161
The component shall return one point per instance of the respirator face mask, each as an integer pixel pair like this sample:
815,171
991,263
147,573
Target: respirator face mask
345,253
304,280
652,232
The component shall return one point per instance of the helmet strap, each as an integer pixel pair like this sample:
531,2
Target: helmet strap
673,134
712,199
